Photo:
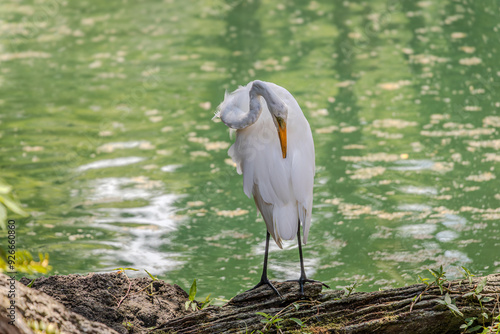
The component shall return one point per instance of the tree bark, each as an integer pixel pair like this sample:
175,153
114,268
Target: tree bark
411,309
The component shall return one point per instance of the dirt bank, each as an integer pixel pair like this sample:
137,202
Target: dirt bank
126,305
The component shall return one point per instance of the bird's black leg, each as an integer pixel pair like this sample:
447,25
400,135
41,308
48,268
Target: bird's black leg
264,280
303,279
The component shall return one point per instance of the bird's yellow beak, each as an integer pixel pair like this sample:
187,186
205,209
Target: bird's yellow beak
282,135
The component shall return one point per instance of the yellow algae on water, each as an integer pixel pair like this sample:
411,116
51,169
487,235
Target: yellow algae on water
458,35
334,201
367,173
198,140
389,86
319,112
33,148
349,129
205,105
473,108
393,123
458,133
394,85
443,166
328,129
481,177
216,146
491,157
232,213
387,135
354,147
195,203
156,119
427,59
495,144
229,162
492,121
382,156
196,154
470,61
24,55
468,49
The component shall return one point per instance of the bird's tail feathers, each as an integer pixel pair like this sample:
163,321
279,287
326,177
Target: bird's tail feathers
285,221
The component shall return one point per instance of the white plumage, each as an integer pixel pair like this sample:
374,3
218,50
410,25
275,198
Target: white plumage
282,187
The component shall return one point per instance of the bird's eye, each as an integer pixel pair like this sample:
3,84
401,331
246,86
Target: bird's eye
280,121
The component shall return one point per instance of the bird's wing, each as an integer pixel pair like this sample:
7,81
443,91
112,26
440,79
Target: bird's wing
303,169
301,152
266,210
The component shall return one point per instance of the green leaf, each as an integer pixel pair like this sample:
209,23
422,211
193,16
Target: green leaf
154,278
5,189
192,291
265,315
13,206
455,309
3,217
206,303
447,298
298,321
123,269
485,315
488,299
474,329
423,280
31,283
481,285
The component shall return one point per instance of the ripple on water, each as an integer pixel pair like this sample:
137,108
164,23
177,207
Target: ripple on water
454,221
141,230
446,236
106,163
417,231
419,190
411,165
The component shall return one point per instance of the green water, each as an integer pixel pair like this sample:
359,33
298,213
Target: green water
106,135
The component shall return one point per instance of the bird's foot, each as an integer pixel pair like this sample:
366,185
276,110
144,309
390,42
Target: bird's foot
265,281
303,280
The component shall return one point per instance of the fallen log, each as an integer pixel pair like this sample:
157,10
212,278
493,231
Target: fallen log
141,305
412,309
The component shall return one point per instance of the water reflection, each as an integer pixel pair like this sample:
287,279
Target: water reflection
148,227
107,163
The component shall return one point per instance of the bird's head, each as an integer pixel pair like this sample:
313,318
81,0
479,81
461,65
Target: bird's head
280,116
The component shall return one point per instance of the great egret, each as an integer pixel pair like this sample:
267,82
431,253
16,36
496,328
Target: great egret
274,150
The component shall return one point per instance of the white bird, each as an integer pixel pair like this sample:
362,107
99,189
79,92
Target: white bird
274,150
